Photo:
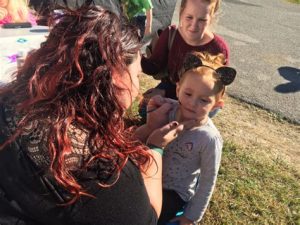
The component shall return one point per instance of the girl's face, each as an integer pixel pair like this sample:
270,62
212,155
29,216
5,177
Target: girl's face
196,96
130,84
194,20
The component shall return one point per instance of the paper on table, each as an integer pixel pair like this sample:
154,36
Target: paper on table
13,47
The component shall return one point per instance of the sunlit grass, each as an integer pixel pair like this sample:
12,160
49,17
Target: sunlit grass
253,190
295,1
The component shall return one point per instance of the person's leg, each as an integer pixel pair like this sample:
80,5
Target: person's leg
172,203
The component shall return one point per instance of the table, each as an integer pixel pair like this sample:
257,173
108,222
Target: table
15,43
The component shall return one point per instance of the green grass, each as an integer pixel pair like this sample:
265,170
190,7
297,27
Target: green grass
251,188
295,1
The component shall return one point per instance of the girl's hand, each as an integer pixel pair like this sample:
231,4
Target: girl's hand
163,136
183,220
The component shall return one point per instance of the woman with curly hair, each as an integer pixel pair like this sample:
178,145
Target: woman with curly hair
66,153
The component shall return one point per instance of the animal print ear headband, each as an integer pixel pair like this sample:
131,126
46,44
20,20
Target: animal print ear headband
227,74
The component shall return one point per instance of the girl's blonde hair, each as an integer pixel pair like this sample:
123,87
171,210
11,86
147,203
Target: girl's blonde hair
209,64
214,7
17,10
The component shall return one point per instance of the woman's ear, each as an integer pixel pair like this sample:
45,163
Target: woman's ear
177,89
118,79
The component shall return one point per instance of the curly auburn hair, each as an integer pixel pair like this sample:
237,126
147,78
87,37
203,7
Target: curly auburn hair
69,81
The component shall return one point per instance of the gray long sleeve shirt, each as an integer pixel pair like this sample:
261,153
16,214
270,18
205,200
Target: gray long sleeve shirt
190,166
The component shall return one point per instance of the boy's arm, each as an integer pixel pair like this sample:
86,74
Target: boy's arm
148,25
210,163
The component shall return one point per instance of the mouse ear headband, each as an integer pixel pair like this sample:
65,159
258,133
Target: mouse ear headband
226,74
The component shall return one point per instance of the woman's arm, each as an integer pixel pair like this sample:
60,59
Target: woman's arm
153,181
152,173
154,133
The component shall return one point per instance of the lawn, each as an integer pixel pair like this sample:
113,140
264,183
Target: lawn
295,1
253,190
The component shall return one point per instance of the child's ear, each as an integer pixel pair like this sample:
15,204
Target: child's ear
218,104
177,89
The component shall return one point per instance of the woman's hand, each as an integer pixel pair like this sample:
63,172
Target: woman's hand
153,173
158,111
163,136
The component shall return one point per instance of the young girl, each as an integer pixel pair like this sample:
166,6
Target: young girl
191,161
15,11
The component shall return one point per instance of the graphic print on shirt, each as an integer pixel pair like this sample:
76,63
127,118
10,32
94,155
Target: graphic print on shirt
177,152
189,146
184,150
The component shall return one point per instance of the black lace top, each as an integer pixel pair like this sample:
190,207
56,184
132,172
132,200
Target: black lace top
30,195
